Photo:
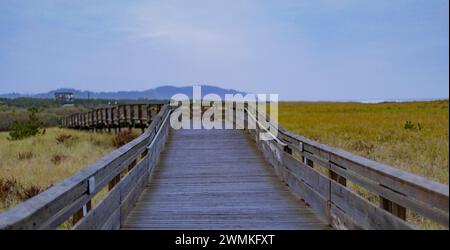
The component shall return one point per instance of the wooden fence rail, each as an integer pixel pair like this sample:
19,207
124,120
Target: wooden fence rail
114,117
321,175
122,173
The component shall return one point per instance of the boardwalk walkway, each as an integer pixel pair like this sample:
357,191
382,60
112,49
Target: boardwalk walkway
217,179
227,179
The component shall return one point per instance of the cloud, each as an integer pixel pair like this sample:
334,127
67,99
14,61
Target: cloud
298,49
181,35
170,23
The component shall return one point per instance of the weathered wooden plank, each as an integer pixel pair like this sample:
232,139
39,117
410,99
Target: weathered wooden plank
272,155
113,222
433,193
99,215
118,115
428,191
398,188
54,205
35,211
322,162
107,174
201,179
127,192
64,214
130,179
341,221
310,176
308,194
409,202
131,197
364,213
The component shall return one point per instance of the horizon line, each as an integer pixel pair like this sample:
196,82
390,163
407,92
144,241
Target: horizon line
360,100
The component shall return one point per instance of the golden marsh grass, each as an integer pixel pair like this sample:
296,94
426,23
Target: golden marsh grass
413,136
42,161
377,131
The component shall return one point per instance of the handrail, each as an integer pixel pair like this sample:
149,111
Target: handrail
298,161
119,116
158,132
264,128
70,199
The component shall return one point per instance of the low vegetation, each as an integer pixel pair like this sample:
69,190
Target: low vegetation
50,111
47,111
31,127
12,190
33,164
47,117
124,137
412,136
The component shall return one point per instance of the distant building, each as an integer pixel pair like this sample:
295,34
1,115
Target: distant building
64,96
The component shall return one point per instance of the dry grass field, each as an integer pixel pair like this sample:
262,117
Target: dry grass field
412,136
33,164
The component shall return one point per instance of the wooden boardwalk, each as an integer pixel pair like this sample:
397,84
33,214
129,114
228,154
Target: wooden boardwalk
226,179
217,179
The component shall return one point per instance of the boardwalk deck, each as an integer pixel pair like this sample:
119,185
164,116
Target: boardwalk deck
225,179
217,179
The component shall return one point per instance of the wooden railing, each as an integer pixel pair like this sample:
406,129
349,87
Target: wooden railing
114,117
118,178
336,183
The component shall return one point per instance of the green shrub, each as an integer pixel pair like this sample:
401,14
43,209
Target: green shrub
20,130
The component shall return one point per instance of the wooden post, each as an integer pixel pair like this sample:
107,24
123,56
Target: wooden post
113,182
308,161
339,179
77,216
140,114
393,208
288,150
131,166
145,153
132,115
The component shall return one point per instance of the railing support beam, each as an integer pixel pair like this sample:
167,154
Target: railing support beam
393,208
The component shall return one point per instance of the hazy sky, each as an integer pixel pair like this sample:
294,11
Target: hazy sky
315,50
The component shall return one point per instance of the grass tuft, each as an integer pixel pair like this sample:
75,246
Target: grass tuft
57,159
24,155
66,139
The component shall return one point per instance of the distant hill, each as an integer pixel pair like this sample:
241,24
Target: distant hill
159,93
